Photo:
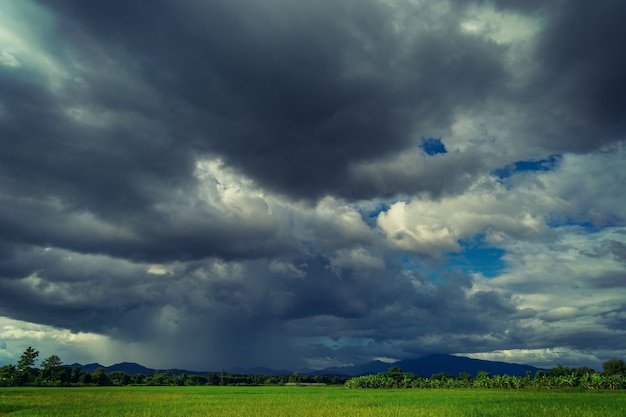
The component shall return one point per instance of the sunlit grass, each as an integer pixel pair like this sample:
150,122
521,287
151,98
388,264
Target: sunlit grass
306,401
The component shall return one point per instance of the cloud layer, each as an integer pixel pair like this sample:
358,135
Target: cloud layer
214,184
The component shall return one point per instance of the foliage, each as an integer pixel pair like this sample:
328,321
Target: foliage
25,371
27,360
100,377
614,367
8,376
559,377
53,373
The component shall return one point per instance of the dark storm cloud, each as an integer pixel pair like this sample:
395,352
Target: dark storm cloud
223,308
582,72
142,236
289,94
421,319
292,96
114,221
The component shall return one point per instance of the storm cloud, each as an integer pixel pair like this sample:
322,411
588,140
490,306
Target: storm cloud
212,184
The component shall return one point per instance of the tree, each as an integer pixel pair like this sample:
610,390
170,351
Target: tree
85,378
560,370
614,367
51,367
75,376
27,360
294,378
63,375
25,365
7,375
137,379
213,378
119,378
465,379
100,377
395,373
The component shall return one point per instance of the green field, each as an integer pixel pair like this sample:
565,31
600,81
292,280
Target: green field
306,401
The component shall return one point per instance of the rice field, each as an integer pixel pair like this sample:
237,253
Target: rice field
330,401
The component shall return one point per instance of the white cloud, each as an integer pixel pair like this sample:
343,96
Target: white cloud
592,184
357,258
435,227
581,188
8,59
228,192
571,273
158,270
386,359
546,358
71,347
501,26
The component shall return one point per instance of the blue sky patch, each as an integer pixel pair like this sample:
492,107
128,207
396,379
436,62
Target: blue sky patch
584,222
382,207
370,216
435,276
476,257
547,164
564,221
433,146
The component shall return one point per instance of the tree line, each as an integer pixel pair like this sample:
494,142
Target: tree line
613,376
52,372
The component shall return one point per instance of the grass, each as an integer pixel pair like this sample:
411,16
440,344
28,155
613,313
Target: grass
306,401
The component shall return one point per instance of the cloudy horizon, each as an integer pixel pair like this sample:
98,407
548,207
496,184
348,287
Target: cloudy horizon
212,184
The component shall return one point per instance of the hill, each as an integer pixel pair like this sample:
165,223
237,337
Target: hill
435,364
424,367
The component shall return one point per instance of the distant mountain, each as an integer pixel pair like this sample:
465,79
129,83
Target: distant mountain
424,367
260,370
90,367
132,368
435,364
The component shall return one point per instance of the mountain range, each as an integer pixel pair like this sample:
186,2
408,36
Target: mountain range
424,367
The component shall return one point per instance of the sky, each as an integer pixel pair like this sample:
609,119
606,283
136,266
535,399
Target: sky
288,183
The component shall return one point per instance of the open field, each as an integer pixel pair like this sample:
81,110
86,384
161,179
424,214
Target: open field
306,401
